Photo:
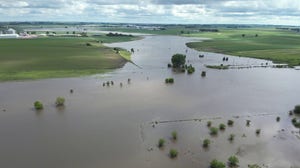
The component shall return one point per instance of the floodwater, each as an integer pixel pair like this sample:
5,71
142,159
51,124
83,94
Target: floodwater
120,126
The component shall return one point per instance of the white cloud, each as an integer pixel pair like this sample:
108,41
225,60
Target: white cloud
154,11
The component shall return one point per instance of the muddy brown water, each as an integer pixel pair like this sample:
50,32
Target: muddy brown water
112,126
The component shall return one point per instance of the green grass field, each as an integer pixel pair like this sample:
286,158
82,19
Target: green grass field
277,45
53,57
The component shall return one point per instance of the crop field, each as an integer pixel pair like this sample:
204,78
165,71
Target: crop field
22,59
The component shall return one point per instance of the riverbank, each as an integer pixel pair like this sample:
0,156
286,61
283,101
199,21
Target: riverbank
279,46
56,57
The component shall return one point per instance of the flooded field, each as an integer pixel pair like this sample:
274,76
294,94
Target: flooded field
120,126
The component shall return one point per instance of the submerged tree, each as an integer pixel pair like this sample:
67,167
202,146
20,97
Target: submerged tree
173,153
38,105
178,60
60,101
217,164
233,161
297,109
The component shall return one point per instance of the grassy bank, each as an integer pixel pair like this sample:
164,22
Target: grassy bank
54,57
125,54
277,45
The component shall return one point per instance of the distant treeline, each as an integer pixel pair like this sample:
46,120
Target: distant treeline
208,30
118,35
288,28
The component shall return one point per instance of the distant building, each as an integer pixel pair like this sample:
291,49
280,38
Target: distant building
10,33
9,36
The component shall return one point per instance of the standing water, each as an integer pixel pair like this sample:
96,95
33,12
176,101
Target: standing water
120,126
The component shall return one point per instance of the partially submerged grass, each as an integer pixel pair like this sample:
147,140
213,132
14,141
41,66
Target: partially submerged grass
277,45
125,54
218,66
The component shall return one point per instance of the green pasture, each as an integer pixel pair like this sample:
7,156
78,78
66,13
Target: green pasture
52,57
280,46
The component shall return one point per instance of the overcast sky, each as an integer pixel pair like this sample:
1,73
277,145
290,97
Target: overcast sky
154,11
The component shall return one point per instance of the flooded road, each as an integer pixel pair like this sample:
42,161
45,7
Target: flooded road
116,126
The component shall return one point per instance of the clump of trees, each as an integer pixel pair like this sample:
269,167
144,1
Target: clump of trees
60,101
178,60
169,80
110,34
38,105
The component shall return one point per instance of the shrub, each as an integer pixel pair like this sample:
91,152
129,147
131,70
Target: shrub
230,122
88,44
297,109
258,131
248,122
206,143
277,119
213,131
297,125
38,105
222,126
233,161
190,69
174,135
231,137
161,143
217,164
294,120
208,123
169,80
60,101
173,153
169,65
178,60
